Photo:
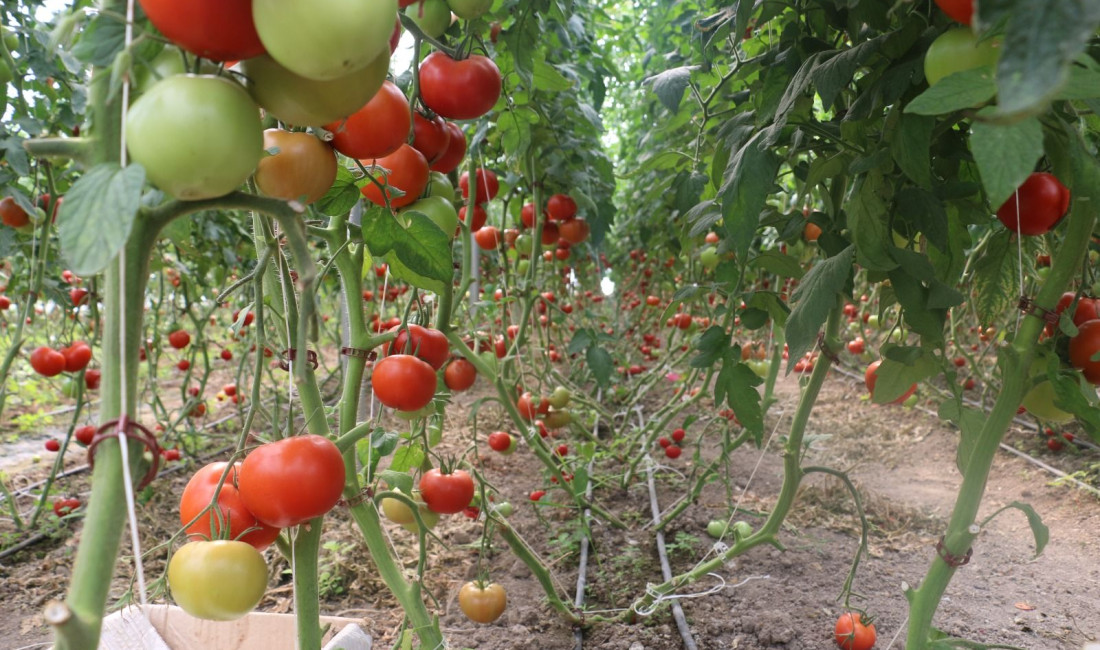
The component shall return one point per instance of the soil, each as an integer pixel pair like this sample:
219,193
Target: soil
902,462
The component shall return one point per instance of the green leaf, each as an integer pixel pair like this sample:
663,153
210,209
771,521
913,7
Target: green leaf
601,364
736,385
97,214
1083,83
866,214
956,92
342,196
910,145
748,182
913,297
419,254
815,296
582,339
1033,65
1006,154
1038,528
924,211
670,86
773,261
399,481
712,345
995,278
969,421
547,77
897,374
101,40
1071,397
407,457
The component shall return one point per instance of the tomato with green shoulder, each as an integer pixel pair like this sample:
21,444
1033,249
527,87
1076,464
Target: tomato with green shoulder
218,580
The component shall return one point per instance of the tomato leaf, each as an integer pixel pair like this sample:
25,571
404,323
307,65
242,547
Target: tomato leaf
98,212
1033,65
773,261
101,40
901,368
1006,154
601,364
736,385
582,340
815,296
1038,528
910,147
1071,397
969,421
748,182
342,196
866,212
995,278
956,92
419,254
914,299
399,481
407,457
712,346
670,86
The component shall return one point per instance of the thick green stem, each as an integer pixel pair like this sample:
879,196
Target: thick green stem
1014,361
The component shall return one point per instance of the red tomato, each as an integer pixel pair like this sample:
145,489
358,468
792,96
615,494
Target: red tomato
852,634
1083,347
53,444
11,214
227,355
487,238
47,362
377,129
63,507
501,441
673,452
574,231
527,407
77,356
91,379
450,159
5,302
179,339
459,90
405,169
550,234
427,344
446,493
460,375
234,517
85,434
527,215
431,137
77,296
487,185
220,30
403,382
291,481
478,222
561,207
870,378
959,10
1038,205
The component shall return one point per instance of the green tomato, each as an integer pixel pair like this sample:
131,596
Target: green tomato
301,101
957,50
5,76
170,62
559,399
324,39
219,580
522,267
760,368
1042,272
910,401
439,210
198,137
439,185
469,9
409,416
504,509
1039,401
11,39
429,518
716,528
741,530
525,244
709,258
433,17
873,322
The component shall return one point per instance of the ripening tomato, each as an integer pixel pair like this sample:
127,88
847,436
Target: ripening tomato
220,30
452,156
324,39
405,170
482,603
488,238
303,169
198,137
459,90
403,382
958,10
487,185
427,344
870,378
1085,346
478,222
574,231
447,493
502,442
218,580
852,634
293,480
460,375
47,362
234,517
1036,206
561,207
375,130
294,99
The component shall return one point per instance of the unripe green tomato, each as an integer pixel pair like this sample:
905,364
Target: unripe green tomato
1042,272
1094,257
741,530
760,368
429,517
709,258
524,244
716,528
439,210
957,50
439,185
11,39
68,388
504,509
523,266
512,254
433,17
872,322
469,9
559,399
910,401
5,76
896,336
